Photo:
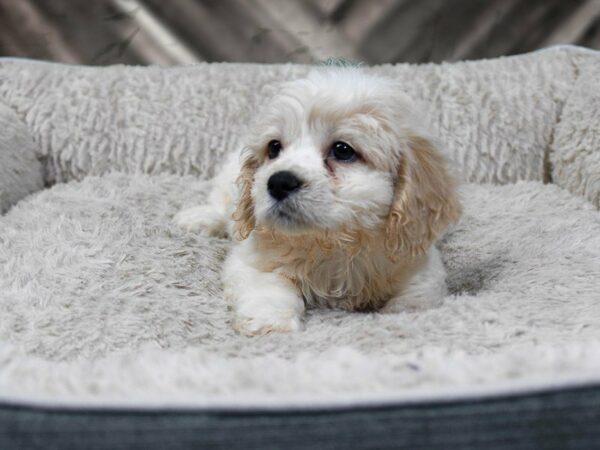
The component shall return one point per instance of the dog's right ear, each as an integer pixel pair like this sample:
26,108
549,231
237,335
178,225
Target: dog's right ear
425,201
244,213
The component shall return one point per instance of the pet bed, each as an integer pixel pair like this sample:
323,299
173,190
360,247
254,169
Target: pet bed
113,330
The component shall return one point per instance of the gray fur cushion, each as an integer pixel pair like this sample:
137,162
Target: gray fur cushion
102,297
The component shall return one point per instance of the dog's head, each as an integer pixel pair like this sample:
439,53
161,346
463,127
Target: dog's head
344,150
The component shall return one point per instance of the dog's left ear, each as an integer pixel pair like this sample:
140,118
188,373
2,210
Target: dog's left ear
425,200
244,213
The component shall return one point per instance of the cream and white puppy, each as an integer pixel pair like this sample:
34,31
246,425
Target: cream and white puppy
340,194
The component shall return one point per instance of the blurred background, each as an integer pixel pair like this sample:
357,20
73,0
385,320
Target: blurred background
166,32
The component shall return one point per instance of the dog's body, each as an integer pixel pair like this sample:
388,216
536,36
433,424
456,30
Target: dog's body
340,194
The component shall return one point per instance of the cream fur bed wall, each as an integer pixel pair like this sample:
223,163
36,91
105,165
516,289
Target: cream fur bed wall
496,117
20,170
576,147
103,299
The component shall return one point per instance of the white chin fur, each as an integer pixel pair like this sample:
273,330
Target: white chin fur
287,222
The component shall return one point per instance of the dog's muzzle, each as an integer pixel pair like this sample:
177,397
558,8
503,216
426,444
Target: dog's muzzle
281,184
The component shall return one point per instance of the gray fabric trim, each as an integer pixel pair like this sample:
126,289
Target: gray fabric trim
564,419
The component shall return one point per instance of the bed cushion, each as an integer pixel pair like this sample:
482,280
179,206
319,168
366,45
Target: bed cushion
113,330
102,297
20,170
576,147
494,117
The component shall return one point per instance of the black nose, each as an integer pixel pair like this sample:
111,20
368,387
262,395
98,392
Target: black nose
281,184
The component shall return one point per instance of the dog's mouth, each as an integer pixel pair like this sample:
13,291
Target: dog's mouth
286,217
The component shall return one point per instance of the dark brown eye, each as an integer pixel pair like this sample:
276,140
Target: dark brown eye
343,152
273,148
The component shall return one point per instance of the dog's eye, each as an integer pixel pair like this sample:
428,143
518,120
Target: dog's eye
343,152
273,148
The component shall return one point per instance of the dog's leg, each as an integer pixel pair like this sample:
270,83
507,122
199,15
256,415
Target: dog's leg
426,289
263,302
214,217
203,218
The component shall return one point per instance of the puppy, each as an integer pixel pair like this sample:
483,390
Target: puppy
340,194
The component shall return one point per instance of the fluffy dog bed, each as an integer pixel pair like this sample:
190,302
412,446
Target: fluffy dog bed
112,325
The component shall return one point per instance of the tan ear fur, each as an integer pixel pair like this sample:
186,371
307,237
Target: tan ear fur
425,201
244,213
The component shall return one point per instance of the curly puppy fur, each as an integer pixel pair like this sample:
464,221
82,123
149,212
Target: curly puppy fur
356,229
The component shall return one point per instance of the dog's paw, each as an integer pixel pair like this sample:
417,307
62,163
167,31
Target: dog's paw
262,325
202,218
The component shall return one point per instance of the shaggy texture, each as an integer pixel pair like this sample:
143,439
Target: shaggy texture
495,117
20,171
576,149
102,298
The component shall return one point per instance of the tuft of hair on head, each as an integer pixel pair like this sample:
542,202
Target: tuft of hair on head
340,62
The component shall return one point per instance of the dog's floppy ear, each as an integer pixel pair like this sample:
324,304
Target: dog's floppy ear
244,213
425,200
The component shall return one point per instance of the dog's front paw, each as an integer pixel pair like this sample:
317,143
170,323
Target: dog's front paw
202,218
259,325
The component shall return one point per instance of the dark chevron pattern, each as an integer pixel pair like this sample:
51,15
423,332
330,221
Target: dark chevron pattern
164,32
